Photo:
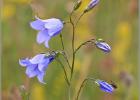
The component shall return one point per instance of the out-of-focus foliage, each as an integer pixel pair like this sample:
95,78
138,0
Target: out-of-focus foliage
116,21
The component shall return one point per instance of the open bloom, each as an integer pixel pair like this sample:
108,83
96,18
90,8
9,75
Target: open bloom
104,86
37,65
103,46
91,5
47,29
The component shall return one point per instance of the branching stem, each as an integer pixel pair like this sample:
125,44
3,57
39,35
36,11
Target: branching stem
84,43
82,14
64,53
73,46
82,85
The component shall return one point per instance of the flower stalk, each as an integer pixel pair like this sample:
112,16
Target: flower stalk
82,14
82,85
64,53
47,29
61,37
84,43
63,67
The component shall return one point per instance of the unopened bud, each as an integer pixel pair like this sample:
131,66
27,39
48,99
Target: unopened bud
91,5
77,4
103,46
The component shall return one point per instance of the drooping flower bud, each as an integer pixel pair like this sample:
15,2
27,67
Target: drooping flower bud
102,45
91,5
104,86
77,4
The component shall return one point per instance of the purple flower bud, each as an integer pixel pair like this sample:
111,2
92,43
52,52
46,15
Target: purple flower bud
103,46
104,86
37,65
47,29
91,5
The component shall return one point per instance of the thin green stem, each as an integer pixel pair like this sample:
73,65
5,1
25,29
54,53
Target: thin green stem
79,18
61,37
72,66
73,45
65,56
73,37
64,53
69,91
82,85
66,77
84,43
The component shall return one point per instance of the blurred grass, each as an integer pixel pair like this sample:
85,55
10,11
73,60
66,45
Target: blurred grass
114,21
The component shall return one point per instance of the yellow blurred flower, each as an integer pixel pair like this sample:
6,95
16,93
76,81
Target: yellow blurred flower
121,47
123,37
84,4
8,11
38,92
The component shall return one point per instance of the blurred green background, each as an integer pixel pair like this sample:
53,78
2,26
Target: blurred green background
116,21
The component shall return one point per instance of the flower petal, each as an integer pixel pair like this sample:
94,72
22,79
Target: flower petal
105,89
40,77
43,66
54,26
37,25
47,42
31,71
37,59
24,62
42,36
